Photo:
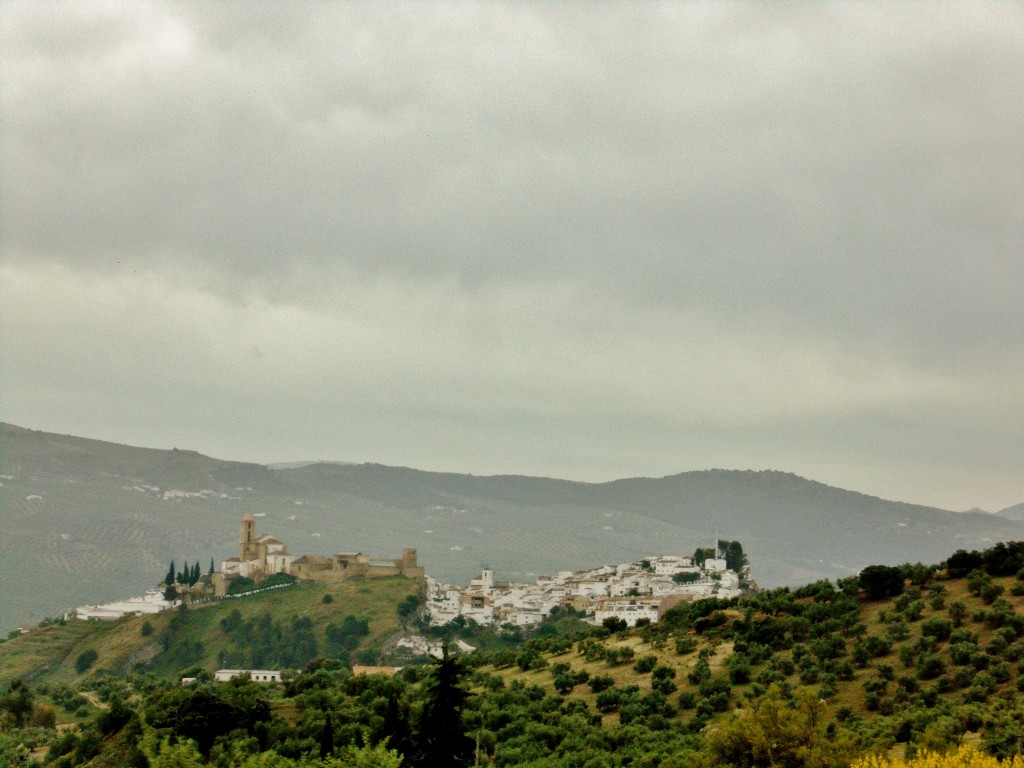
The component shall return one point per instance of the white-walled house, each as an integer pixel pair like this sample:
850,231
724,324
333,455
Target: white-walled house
256,675
150,603
630,611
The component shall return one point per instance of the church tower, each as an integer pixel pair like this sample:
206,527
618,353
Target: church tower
247,547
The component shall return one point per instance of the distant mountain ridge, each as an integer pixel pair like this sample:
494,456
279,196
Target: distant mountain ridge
1016,512
301,464
88,521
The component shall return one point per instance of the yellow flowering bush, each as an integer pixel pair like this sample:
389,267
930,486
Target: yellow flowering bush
965,757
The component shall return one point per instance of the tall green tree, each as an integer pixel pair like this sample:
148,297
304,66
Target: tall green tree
327,737
735,560
440,734
701,554
169,579
881,581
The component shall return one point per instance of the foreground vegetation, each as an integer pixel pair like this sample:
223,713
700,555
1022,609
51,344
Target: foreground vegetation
899,664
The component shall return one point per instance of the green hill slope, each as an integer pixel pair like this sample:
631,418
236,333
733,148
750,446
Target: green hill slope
273,625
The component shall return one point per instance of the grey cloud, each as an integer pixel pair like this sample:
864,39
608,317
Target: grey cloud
573,204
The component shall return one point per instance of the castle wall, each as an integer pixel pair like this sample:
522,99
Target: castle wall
263,555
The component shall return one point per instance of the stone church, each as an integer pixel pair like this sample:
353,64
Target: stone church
258,556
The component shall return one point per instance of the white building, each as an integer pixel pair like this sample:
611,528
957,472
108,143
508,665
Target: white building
256,675
150,603
629,611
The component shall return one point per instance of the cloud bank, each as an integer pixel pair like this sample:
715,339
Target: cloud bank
572,240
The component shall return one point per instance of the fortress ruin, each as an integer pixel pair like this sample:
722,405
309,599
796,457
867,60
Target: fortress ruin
260,556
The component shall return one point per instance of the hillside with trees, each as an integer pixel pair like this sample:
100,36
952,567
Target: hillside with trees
893,662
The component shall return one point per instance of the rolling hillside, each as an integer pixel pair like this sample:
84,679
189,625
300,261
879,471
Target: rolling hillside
88,521
897,661
174,641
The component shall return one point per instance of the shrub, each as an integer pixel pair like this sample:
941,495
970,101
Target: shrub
1000,672
963,635
663,685
600,683
897,631
1014,651
930,666
85,660
989,592
564,683
608,700
619,656
739,674
685,645
939,628
961,653
614,624
645,664
809,675
914,610
827,691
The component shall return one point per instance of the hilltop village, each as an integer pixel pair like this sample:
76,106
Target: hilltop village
634,592
639,591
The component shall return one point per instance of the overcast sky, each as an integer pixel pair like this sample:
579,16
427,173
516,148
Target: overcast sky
582,240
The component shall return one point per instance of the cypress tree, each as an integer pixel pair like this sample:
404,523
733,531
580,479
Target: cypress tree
327,737
735,560
211,567
441,735
169,579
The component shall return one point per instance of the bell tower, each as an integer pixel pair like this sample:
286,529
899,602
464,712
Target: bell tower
247,543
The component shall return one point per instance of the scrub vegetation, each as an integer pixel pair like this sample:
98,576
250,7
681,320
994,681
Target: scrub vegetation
899,668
